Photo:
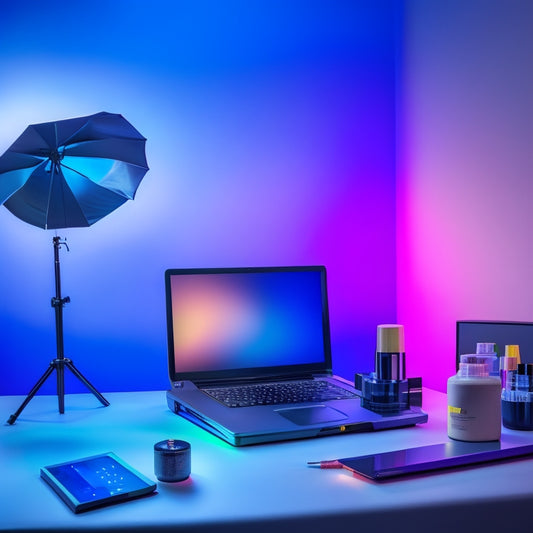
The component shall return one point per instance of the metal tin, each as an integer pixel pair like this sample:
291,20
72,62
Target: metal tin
172,460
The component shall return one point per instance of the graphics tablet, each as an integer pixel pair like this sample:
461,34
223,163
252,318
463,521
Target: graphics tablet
382,466
96,481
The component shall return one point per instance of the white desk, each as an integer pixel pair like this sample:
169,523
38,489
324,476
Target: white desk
265,487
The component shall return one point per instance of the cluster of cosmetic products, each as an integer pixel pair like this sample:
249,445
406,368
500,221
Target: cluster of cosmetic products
488,390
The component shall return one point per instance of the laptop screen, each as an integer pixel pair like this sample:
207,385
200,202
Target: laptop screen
246,321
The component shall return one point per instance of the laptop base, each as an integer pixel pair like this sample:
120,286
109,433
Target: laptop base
368,422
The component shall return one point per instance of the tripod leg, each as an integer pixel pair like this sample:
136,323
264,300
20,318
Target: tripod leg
60,384
31,394
70,365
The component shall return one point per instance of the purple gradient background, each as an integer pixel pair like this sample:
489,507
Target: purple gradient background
390,141
270,130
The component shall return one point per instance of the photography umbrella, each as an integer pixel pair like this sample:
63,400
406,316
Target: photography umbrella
67,174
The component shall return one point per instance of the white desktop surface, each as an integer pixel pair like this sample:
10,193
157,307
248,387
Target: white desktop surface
263,487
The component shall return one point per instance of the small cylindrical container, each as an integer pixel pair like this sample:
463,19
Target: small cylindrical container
390,352
474,402
517,415
517,398
172,460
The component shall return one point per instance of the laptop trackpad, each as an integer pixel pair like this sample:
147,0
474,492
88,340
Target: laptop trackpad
316,414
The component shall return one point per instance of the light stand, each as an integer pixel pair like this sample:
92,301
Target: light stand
60,362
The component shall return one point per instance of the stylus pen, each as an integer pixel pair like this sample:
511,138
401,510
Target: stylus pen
326,464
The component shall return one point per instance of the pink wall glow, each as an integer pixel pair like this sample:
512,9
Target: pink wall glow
465,173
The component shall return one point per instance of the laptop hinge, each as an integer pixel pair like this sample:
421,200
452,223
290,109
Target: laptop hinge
249,380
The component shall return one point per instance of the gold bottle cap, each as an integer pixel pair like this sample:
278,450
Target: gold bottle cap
513,350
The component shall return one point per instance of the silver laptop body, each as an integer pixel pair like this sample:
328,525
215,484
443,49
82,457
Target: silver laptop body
248,328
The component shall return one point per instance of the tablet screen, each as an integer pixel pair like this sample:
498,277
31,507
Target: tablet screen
95,481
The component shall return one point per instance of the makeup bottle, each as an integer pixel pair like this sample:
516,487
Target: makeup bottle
517,397
390,352
474,402
509,362
486,353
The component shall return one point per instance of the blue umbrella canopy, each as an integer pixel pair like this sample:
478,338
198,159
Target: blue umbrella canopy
71,173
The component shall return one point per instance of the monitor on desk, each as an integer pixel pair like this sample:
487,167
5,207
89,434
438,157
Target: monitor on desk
470,332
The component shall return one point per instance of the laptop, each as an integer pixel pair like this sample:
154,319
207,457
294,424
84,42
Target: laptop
239,338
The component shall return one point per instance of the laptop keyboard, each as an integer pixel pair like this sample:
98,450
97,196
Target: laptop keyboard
278,393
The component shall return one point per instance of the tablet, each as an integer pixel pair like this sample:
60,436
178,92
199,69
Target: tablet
385,465
95,481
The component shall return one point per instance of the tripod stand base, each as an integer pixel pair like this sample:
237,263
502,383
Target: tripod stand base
58,365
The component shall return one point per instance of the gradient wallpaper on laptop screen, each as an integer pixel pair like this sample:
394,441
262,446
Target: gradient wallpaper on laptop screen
231,321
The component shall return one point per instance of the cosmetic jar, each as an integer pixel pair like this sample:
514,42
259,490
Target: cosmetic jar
474,402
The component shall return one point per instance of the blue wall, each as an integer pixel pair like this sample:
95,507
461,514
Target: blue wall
270,130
